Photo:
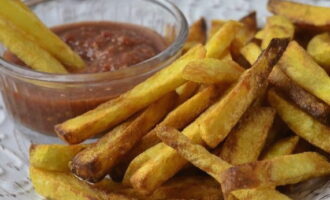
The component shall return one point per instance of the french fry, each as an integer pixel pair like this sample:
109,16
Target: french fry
284,146
257,194
197,34
319,49
304,100
28,22
276,27
283,170
212,71
245,143
301,123
93,163
53,157
299,66
58,185
117,110
217,46
27,50
194,153
303,15
178,118
215,26
216,126
251,52
186,91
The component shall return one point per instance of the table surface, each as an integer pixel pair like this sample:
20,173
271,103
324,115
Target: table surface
14,145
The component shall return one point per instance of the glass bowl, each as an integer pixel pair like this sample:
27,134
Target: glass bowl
37,101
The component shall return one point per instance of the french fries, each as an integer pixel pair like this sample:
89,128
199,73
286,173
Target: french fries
53,157
26,21
299,66
303,15
215,127
212,71
257,194
276,27
116,110
197,34
215,26
93,163
283,170
301,123
245,143
33,55
217,46
251,52
186,91
304,100
194,153
284,146
178,118
319,49
57,185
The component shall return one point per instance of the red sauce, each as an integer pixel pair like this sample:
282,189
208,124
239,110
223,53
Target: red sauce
104,46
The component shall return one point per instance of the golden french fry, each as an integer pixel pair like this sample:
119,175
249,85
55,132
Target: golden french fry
245,143
215,26
282,170
220,42
251,52
304,100
117,110
178,118
276,27
284,146
195,153
300,14
302,69
64,186
301,123
27,50
53,157
257,194
186,91
28,22
197,34
216,126
93,163
319,49
212,71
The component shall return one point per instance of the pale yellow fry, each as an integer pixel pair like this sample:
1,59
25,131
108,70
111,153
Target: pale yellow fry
276,27
28,51
302,69
53,157
221,40
251,52
25,20
197,34
216,126
301,123
244,144
117,110
257,194
64,186
284,146
93,163
186,91
283,170
301,14
216,24
319,49
212,71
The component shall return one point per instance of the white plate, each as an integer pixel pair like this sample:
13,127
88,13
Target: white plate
14,182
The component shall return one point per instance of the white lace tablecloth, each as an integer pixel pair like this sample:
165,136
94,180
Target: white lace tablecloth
14,181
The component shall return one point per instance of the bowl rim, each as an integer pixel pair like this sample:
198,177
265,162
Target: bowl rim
138,69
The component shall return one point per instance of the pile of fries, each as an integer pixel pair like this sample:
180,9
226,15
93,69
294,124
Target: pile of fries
248,107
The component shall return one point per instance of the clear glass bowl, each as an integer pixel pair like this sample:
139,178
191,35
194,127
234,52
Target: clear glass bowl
37,101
